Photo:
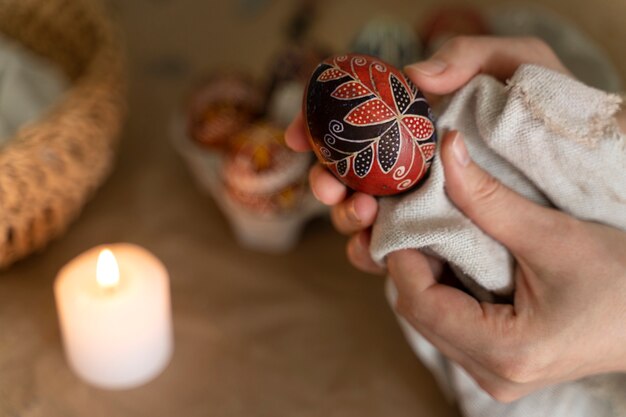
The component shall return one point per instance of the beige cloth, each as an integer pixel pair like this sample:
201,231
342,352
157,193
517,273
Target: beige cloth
553,140
543,135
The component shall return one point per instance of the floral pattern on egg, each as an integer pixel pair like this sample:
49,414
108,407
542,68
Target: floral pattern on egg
369,124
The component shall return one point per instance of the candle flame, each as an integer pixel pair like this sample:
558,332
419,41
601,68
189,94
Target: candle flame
107,271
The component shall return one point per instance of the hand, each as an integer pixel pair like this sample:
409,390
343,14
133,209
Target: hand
568,317
456,63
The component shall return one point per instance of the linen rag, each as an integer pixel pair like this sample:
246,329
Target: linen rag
553,140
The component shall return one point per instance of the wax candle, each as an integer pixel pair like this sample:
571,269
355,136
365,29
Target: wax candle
115,316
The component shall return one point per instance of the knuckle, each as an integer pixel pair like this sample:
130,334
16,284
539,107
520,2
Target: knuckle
517,357
414,311
314,172
410,309
570,236
519,370
352,253
486,188
565,225
359,256
340,220
501,393
437,323
498,390
403,308
457,43
516,366
536,43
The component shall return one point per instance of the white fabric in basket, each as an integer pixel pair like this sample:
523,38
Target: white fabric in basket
553,140
28,86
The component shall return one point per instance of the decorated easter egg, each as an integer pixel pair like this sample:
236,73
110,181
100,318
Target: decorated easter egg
391,40
221,107
262,175
369,124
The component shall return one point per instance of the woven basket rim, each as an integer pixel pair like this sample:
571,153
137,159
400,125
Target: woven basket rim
50,167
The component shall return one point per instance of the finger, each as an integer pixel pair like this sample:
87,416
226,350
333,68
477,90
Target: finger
355,213
483,338
326,188
470,333
521,225
445,311
296,136
358,251
461,58
495,385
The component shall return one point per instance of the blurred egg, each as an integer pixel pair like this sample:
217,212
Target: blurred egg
221,107
391,40
369,125
288,75
261,174
446,22
294,63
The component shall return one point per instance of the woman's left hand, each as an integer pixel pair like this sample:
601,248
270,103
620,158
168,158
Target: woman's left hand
568,317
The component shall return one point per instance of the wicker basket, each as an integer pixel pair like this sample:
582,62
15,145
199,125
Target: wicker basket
51,167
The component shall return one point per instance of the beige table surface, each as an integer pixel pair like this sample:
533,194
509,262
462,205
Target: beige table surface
301,334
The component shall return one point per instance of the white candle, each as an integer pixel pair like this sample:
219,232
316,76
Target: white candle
115,315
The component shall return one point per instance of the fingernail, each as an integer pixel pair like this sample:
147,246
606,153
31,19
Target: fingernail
430,67
459,150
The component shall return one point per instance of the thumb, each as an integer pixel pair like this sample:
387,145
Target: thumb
517,223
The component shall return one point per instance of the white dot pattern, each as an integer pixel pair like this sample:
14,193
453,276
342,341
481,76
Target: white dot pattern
363,162
373,111
400,94
342,167
389,148
419,126
330,74
350,90
428,150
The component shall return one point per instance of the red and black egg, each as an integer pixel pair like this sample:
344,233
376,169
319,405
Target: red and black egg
369,124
